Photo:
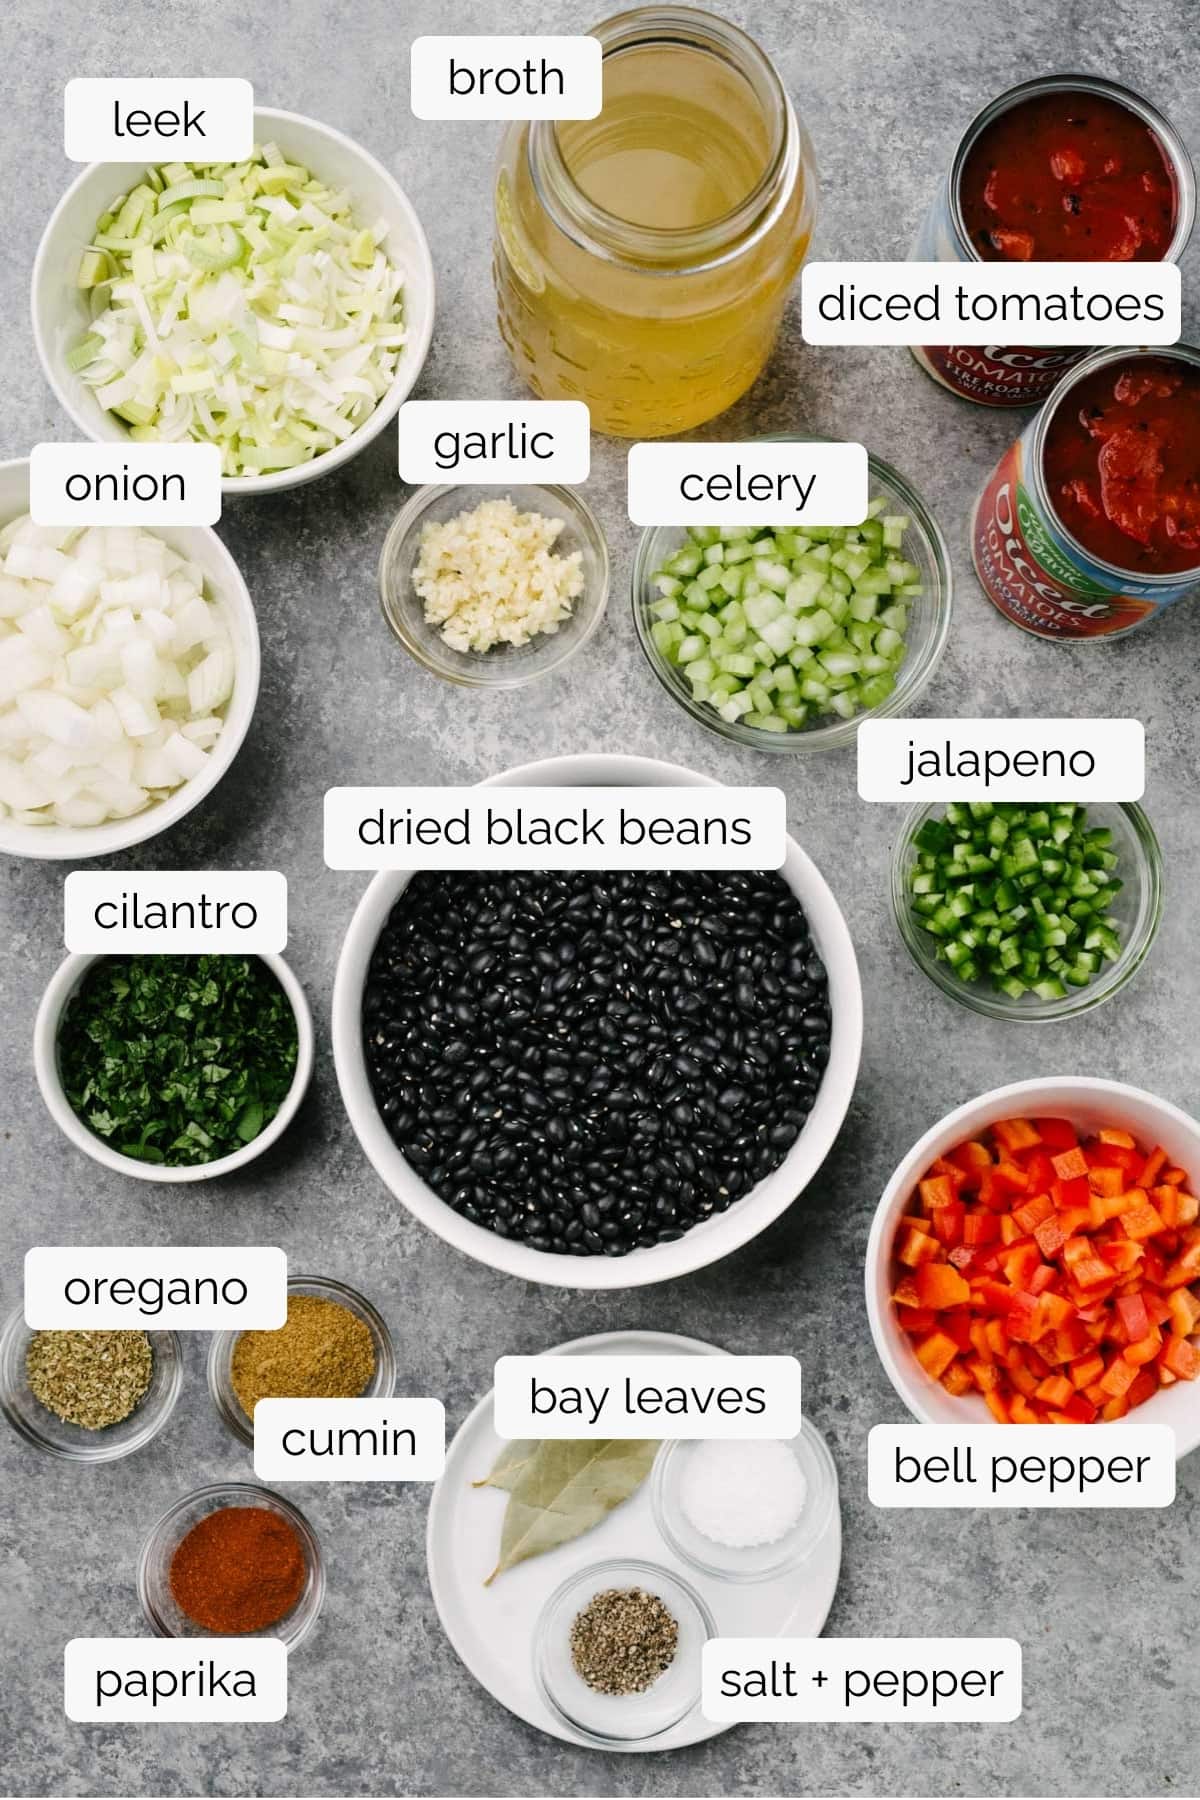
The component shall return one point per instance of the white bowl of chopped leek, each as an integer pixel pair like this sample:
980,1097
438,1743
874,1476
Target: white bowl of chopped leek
129,667
786,639
280,308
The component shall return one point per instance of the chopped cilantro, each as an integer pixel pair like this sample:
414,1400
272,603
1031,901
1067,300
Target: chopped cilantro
177,1059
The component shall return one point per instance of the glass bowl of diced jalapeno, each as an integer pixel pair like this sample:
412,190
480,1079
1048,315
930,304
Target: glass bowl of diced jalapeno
785,639
1028,912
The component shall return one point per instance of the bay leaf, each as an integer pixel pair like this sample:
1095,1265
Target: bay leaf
506,1470
558,1489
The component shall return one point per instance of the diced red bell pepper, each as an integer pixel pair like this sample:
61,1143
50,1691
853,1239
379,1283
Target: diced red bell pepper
956,1380
1050,1236
1087,1370
1131,1310
1118,1378
1070,1165
1146,1350
1182,1358
1055,1390
1030,1215
939,1285
947,1222
1021,1264
1152,1167
981,1228
1184,1311
1079,1411
1108,1134
1015,1135
917,1247
936,1352
1056,1134
1141,1222
1010,1178
935,1191
917,1320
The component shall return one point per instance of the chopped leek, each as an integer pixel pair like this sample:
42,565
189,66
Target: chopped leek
241,304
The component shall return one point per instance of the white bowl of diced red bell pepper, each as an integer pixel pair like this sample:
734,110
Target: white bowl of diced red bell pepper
1035,1258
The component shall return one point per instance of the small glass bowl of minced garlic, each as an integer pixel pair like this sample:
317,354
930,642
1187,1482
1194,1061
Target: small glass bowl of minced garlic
88,1396
617,1651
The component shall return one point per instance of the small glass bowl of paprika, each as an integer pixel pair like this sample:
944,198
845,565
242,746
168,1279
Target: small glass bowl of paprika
232,1560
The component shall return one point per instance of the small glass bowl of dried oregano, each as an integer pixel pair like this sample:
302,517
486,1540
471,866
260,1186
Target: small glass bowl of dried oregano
88,1396
173,1068
617,1651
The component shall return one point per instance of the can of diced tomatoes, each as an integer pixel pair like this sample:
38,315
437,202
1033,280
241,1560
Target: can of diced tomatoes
1096,174
1090,523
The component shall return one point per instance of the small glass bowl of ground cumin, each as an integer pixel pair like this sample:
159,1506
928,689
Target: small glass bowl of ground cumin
232,1560
334,1346
617,1651
88,1396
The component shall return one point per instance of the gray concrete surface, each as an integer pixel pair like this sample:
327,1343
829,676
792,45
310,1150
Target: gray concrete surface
1104,1603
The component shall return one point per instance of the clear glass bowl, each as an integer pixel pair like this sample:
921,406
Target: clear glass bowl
42,1428
752,1562
1138,906
220,1352
154,1565
507,665
928,625
627,1719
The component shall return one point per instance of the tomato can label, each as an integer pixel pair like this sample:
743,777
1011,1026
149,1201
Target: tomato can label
989,374
1041,581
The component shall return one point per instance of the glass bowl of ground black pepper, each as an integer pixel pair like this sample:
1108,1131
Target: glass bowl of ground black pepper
617,1651
232,1560
335,1346
88,1396
598,1079
173,1068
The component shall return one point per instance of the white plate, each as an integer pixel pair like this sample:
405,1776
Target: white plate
492,1628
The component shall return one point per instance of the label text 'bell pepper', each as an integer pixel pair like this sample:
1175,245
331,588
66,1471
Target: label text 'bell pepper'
555,828
861,1681
1021,1465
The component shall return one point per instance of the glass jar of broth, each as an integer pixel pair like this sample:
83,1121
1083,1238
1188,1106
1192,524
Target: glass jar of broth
643,257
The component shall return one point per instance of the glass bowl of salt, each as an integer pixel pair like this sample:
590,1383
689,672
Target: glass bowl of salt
745,1510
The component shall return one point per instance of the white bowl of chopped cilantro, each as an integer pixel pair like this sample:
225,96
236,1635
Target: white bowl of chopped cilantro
785,639
291,356
173,1068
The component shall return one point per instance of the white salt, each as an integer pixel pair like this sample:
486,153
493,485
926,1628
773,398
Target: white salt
742,1493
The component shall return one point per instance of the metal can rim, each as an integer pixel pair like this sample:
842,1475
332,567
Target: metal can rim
1040,425
1182,168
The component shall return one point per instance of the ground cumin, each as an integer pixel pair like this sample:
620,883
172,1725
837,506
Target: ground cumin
324,1352
239,1569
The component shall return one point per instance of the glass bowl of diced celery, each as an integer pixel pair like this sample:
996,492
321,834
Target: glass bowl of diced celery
786,639
1028,912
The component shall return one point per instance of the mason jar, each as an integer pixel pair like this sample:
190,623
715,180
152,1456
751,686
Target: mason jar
643,258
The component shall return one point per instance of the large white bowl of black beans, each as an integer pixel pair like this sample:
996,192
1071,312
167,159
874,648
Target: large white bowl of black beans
598,1079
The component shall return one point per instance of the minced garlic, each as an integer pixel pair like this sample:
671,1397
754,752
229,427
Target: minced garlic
491,577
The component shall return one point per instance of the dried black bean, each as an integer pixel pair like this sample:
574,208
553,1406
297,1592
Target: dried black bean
592,1062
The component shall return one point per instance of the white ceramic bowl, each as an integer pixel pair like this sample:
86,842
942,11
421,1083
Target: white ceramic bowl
704,1243
61,314
201,545
1088,1103
62,985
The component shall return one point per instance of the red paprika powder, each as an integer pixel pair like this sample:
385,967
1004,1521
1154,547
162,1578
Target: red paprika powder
239,1569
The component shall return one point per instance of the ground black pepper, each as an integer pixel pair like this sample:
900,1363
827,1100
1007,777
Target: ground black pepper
623,1640
588,1062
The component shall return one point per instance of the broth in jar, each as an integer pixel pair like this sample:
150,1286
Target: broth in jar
643,257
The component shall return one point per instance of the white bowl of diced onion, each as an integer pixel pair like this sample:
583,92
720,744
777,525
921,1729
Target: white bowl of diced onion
129,668
62,311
